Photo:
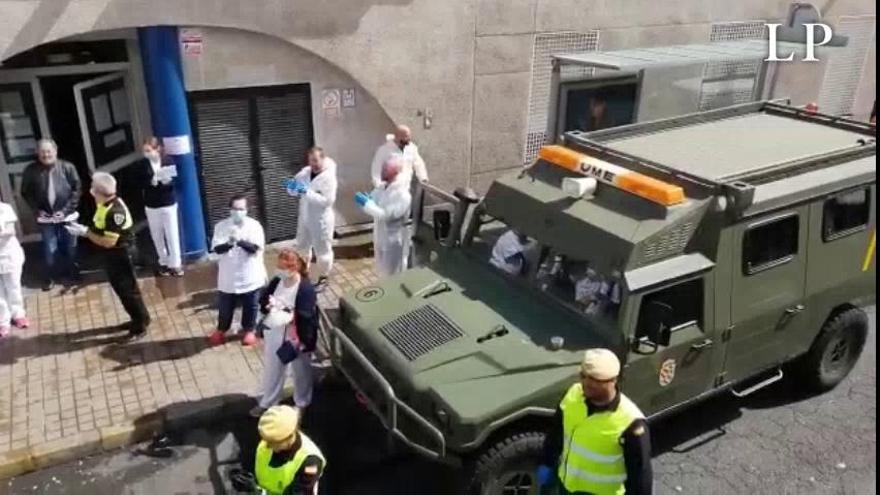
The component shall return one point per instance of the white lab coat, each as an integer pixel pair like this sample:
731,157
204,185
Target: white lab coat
11,263
316,217
389,206
412,161
238,271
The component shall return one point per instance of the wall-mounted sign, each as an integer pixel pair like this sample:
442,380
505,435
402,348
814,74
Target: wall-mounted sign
191,42
177,145
331,102
348,98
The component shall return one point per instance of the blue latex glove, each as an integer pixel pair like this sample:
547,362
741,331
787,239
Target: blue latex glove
295,187
545,474
361,199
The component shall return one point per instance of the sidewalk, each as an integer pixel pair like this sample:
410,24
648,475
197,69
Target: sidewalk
69,386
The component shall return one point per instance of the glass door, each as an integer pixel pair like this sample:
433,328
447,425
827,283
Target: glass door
19,132
104,109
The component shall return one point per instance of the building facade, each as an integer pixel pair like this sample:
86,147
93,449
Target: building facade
264,80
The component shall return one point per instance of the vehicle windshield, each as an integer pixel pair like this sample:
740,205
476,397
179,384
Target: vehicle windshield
575,283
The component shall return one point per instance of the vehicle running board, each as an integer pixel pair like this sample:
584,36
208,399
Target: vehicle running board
758,386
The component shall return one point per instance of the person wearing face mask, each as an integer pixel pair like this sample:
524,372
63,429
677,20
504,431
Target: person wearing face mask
239,241
289,304
315,185
399,144
12,312
160,206
111,231
389,205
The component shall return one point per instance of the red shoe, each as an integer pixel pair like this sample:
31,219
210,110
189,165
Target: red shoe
21,322
249,339
217,338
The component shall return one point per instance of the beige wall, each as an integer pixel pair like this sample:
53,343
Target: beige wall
468,61
234,58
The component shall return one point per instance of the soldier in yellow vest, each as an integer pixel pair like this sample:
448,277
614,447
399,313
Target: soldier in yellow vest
111,232
287,462
599,444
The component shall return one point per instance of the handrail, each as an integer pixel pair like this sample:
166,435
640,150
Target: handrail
389,420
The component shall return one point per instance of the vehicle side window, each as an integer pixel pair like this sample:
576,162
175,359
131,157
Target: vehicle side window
845,214
678,305
770,244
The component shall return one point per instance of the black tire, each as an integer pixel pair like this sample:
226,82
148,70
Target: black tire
835,350
511,462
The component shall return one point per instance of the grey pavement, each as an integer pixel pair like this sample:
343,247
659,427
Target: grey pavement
774,442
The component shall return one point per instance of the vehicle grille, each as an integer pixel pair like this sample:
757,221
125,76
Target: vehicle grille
420,331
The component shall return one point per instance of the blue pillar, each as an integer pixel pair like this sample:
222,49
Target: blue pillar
163,73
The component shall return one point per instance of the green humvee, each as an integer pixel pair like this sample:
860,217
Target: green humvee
706,250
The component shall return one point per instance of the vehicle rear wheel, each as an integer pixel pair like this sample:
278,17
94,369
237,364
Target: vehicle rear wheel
835,351
509,466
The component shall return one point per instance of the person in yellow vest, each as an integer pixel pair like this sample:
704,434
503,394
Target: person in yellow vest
287,461
599,443
111,232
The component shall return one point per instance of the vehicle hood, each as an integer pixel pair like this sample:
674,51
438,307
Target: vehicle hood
482,336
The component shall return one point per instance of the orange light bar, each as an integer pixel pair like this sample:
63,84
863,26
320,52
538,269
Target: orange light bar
639,184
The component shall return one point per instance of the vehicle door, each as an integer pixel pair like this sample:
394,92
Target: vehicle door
675,352
767,290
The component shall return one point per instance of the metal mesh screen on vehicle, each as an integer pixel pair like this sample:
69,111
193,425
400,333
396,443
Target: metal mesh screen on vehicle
547,45
845,65
731,83
420,331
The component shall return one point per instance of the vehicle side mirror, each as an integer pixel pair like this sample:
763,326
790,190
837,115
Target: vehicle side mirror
442,224
657,317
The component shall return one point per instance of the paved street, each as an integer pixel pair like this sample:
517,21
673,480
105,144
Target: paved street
773,442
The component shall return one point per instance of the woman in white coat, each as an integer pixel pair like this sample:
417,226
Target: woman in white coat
290,306
389,205
11,262
316,185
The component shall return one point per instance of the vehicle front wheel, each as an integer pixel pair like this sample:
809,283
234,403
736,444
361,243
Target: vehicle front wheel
835,351
509,466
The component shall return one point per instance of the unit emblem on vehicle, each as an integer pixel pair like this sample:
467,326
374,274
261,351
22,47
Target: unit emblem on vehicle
667,372
369,294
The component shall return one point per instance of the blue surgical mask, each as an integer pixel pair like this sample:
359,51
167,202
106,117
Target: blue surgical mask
284,273
237,215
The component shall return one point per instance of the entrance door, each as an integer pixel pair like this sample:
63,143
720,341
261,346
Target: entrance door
767,298
249,141
104,109
19,132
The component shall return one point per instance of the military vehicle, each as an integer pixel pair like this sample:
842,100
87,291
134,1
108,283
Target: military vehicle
723,249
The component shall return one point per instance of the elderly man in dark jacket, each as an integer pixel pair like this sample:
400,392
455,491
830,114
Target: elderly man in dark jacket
52,189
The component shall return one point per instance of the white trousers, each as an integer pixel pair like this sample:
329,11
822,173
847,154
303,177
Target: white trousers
274,372
11,300
165,234
321,245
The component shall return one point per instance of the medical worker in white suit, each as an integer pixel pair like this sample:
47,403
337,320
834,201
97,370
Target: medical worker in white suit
316,186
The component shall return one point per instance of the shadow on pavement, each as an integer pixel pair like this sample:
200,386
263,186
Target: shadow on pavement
14,347
142,353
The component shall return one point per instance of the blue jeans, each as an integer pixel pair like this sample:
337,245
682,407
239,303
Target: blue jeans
59,252
249,305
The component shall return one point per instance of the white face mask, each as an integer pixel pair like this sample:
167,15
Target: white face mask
153,156
285,273
237,215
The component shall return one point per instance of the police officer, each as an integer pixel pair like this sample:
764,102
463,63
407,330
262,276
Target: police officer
111,231
287,461
599,443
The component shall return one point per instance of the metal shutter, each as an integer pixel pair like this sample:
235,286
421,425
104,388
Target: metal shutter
285,136
225,153
845,66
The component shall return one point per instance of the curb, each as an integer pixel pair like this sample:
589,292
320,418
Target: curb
173,417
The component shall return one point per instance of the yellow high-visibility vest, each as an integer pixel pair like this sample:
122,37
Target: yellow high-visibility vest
592,455
274,480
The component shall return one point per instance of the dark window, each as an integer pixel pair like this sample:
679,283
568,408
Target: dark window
845,214
770,244
685,302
